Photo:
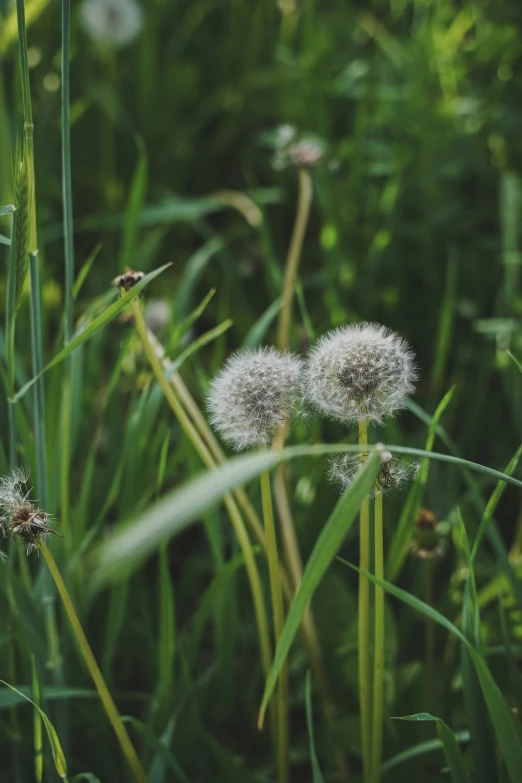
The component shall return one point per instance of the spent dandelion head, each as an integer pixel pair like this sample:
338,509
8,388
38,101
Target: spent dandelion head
112,23
252,395
393,473
18,515
359,372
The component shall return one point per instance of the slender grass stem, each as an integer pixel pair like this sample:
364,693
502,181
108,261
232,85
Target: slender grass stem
378,661
10,318
304,201
279,620
94,670
231,506
28,120
66,171
364,622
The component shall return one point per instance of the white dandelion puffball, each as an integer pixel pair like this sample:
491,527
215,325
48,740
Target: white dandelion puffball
112,23
393,474
359,372
254,393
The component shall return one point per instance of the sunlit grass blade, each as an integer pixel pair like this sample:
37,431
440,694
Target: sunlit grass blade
102,320
58,756
324,551
508,738
454,758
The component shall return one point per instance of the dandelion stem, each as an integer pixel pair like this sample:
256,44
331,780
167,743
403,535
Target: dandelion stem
364,621
231,506
304,201
378,662
279,619
94,670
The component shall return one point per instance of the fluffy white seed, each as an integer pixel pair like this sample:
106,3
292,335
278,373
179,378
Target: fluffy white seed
112,23
254,393
358,372
393,474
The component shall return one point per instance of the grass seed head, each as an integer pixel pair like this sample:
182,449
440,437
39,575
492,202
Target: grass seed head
112,23
254,393
359,372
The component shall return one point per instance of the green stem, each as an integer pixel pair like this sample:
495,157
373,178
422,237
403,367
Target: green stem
304,201
364,622
66,172
231,506
378,663
94,670
279,620
10,318
28,119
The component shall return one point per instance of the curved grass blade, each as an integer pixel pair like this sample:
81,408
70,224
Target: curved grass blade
324,551
420,749
102,320
132,544
58,756
450,747
503,722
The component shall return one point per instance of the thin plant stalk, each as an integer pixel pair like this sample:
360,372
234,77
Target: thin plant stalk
304,201
378,661
364,621
231,506
94,670
41,457
28,146
65,449
279,619
10,318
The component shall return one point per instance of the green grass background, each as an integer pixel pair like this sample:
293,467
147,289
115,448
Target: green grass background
414,223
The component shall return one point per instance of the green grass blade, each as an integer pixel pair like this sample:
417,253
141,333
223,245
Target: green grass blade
402,535
257,332
38,735
84,271
452,754
503,722
317,775
420,749
134,206
324,551
102,320
58,756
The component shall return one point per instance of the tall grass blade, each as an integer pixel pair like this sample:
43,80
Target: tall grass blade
317,775
454,759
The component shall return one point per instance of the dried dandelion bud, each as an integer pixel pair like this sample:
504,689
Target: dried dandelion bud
359,372
254,393
18,516
128,279
112,23
393,474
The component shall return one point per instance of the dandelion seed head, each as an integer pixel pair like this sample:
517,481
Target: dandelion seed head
256,391
113,23
394,473
18,515
359,372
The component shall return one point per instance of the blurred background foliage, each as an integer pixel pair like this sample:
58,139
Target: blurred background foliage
414,223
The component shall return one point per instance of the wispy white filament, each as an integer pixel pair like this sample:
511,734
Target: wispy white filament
358,372
254,393
113,23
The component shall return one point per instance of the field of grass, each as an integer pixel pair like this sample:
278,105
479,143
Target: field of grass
273,170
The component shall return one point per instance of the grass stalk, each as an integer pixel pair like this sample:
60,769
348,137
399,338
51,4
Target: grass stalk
28,146
378,660
10,317
279,619
94,670
304,201
230,504
364,622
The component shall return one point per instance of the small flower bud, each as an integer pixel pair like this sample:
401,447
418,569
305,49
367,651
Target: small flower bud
254,394
359,372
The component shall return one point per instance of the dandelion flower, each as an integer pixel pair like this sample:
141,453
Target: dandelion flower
393,473
252,395
112,23
18,515
359,372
